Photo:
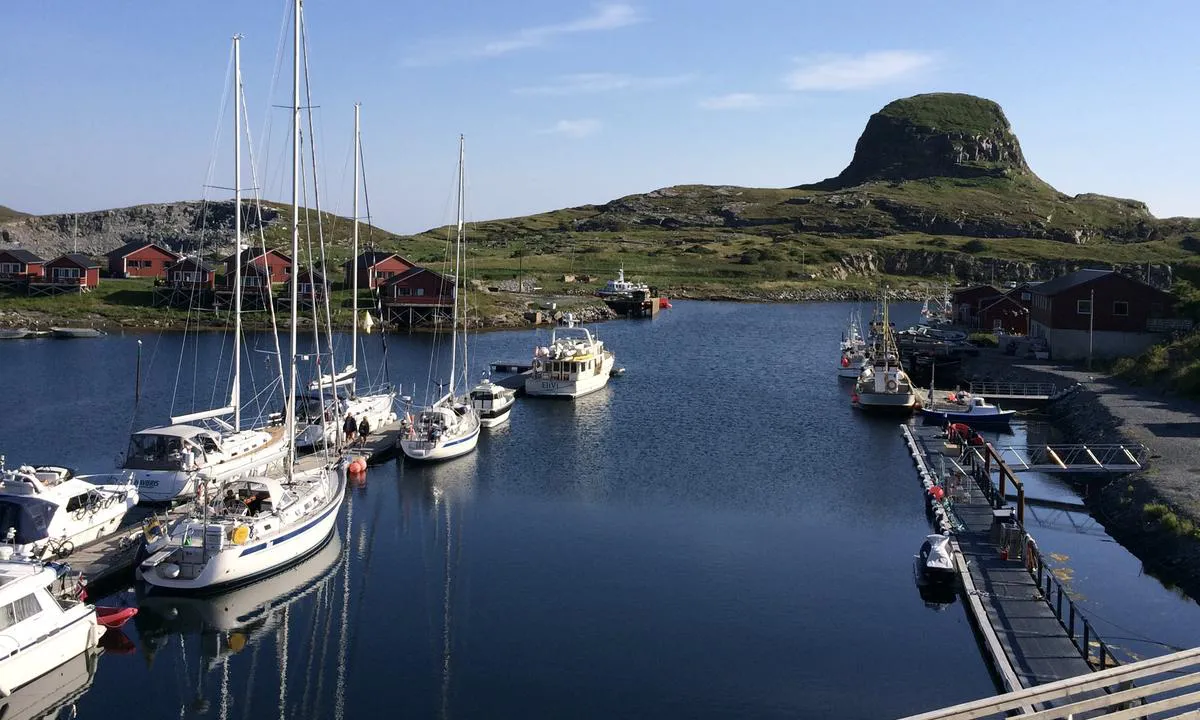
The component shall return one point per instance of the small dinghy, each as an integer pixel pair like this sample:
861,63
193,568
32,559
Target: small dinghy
114,617
935,565
75,332
13,333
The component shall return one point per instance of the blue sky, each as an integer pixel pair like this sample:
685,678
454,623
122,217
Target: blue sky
567,103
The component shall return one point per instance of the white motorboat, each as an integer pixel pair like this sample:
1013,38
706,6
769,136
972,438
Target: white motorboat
449,427
259,525
50,695
622,287
572,365
493,403
935,563
883,386
45,623
45,512
377,405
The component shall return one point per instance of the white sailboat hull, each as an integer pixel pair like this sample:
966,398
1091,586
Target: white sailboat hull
379,410
443,449
63,643
538,385
237,564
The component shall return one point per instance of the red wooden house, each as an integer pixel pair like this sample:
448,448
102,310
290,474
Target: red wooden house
969,301
1005,314
19,265
191,272
375,269
71,271
140,258
418,295
278,265
313,286
1101,313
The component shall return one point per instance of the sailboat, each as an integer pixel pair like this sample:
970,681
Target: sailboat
883,385
854,349
173,461
449,427
258,525
378,407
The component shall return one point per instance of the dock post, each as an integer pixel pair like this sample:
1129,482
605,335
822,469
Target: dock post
1020,504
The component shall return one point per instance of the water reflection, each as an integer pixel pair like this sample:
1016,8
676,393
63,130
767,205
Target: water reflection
52,695
221,628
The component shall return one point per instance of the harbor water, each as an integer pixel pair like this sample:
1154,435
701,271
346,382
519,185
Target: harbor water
716,534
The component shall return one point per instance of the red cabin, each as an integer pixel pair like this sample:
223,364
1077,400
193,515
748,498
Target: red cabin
73,270
278,265
190,272
312,286
969,301
418,294
20,265
375,269
1005,314
140,258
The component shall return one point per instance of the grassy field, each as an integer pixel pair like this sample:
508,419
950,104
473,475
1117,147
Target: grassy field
1174,366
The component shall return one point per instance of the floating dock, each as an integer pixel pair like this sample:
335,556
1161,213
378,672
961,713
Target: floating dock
1030,628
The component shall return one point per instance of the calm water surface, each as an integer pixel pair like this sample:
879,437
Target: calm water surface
716,534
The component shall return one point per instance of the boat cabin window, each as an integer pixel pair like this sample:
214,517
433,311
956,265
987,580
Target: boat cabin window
162,452
17,611
78,502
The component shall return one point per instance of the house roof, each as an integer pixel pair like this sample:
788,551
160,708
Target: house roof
131,247
413,272
22,255
976,289
79,259
371,258
252,254
309,273
1006,298
1070,280
200,264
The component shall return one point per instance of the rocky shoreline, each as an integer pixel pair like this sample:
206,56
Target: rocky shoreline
1132,508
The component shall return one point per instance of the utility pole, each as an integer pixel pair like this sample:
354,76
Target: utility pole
1091,324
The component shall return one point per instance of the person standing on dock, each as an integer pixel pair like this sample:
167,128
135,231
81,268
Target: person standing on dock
349,427
364,429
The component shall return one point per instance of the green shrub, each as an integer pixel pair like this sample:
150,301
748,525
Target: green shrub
984,340
974,246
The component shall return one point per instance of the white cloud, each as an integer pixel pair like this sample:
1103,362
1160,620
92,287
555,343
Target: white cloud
582,83
574,128
605,16
736,101
852,72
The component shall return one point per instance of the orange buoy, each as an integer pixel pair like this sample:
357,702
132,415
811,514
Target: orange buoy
854,398
845,361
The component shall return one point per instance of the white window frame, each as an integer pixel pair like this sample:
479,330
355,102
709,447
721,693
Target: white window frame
1080,304
1120,314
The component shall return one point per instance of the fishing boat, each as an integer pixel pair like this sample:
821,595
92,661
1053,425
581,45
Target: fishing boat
574,364
883,386
450,426
255,526
45,621
46,512
377,405
966,408
493,403
853,349
620,287
170,462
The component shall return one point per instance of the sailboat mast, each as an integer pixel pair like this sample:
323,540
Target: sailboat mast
461,251
236,395
290,415
457,273
354,263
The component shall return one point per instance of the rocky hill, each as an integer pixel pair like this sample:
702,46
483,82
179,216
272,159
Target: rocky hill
204,226
938,185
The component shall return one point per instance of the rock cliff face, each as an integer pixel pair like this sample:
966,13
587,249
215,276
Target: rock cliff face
969,269
181,226
942,135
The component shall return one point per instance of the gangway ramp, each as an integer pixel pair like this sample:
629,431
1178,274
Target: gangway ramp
1163,687
1075,458
1033,392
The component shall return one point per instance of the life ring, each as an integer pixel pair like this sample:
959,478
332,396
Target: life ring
891,385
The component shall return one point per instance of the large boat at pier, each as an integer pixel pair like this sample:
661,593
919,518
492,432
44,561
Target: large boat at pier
883,386
572,365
